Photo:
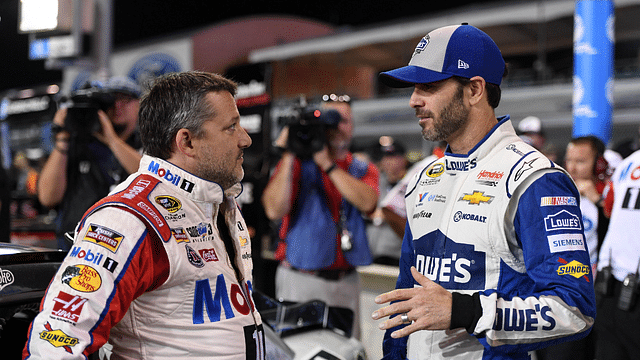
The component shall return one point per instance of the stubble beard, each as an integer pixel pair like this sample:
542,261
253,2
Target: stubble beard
453,117
212,169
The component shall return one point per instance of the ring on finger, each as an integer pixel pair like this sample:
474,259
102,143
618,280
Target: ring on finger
405,318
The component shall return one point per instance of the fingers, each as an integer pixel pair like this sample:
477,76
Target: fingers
60,116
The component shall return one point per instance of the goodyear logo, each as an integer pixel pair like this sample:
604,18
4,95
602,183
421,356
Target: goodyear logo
170,203
58,338
573,268
104,237
435,170
476,198
82,278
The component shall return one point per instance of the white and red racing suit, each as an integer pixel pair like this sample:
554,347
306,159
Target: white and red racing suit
149,273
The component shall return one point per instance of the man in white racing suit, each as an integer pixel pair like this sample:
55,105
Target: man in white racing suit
161,268
494,262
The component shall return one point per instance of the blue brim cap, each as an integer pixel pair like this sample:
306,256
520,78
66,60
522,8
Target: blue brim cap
457,50
409,75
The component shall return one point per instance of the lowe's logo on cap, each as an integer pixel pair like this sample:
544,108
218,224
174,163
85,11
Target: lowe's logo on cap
458,50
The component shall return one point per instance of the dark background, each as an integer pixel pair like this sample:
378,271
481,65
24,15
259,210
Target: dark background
136,20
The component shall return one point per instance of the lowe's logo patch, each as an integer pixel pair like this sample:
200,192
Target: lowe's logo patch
514,319
464,165
562,220
452,265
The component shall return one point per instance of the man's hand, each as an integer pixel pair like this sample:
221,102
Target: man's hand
323,158
108,135
428,307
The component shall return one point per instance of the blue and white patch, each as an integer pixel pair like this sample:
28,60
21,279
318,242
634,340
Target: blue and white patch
193,257
562,220
566,242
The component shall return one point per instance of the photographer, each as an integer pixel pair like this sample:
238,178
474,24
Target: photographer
320,200
89,159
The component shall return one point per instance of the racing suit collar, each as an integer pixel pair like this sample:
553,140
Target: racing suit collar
191,186
488,141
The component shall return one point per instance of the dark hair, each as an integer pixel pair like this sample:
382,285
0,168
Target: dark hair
493,91
176,101
596,144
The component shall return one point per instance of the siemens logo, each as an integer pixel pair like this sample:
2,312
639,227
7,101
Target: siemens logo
512,319
465,165
171,178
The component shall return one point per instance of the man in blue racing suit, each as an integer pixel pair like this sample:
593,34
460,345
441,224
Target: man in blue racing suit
494,263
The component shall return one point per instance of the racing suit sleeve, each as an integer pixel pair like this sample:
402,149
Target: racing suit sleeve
114,259
555,301
396,349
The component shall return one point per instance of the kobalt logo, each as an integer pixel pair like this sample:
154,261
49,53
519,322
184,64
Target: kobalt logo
467,216
562,220
172,178
513,319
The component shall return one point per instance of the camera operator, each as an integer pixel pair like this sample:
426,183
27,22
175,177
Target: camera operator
89,159
320,198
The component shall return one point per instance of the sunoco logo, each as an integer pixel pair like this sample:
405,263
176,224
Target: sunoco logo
58,338
573,268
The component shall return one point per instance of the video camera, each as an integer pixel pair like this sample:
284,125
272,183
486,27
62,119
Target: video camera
82,114
307,126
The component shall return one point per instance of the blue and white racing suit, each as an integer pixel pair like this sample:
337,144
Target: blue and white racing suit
500,228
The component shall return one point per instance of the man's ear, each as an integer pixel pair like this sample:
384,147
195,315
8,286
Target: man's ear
477,86
184,142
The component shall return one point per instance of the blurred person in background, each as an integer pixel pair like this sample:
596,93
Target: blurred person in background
586,163
392,162
489,265
393,205
321,201
618,323
81,171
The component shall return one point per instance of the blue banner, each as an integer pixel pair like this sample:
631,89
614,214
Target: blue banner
593,45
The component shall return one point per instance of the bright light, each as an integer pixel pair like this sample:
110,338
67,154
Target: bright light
38,15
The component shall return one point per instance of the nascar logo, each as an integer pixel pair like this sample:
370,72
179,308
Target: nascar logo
170,203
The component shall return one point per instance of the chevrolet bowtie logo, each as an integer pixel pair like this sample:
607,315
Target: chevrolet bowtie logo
476,198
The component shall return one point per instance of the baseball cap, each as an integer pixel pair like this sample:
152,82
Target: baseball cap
530,124
456,50
124,85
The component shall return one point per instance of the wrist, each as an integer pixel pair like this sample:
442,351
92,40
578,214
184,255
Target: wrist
331,167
